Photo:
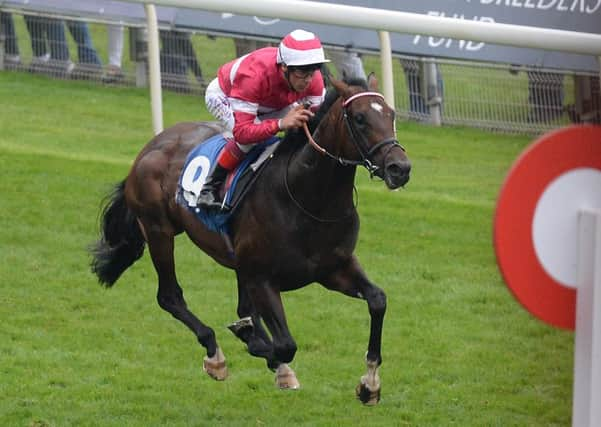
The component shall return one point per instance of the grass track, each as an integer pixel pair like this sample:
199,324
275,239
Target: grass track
458,350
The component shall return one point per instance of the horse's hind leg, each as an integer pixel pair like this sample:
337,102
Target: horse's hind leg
171,297
352,281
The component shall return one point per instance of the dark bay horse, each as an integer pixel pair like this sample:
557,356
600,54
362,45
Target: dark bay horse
297,225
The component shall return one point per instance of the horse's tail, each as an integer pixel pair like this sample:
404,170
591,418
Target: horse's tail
121,241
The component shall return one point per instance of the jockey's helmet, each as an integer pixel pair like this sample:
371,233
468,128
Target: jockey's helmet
301,48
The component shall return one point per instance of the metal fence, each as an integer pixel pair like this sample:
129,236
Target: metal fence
491,96
498,97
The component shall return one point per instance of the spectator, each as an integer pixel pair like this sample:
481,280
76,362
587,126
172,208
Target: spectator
587,100
418,106
244,46
115,53
545,96
89,61
50,48
177,57
48,45
348,64
12,59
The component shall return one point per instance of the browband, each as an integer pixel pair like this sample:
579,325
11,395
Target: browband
360,94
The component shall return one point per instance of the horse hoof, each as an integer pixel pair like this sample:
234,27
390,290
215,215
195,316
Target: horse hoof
366,396
285,378
215,366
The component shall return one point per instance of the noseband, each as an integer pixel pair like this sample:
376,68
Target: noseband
358,139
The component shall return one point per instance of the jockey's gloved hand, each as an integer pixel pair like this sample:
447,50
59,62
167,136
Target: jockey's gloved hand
295,118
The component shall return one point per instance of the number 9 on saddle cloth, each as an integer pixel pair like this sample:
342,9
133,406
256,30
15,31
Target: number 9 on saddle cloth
198,165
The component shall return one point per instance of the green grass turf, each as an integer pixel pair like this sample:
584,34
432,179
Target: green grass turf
458,350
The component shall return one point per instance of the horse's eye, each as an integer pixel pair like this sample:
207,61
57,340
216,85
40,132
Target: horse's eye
360,119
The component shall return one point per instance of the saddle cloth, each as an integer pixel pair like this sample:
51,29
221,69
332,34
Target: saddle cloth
198,165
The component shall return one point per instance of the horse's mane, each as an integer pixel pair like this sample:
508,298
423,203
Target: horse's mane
298,136
331,97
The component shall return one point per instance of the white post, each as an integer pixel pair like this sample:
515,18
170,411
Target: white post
387,75
401,22
599,63
433,97
2,49
154,69
586,405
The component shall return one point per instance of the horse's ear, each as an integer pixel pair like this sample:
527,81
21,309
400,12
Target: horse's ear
372,82
340,86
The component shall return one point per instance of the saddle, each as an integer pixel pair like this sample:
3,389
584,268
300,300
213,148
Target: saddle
198,165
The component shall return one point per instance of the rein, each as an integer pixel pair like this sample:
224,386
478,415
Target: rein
305,211
320,149
360,143
358,139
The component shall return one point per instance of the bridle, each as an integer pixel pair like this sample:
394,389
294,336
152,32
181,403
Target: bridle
359,140
360,143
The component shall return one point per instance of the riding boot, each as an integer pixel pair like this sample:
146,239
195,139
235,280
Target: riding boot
208,198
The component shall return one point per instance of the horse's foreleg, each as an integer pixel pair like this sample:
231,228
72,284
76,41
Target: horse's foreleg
352,281
268,304
368,389
249,329
171,299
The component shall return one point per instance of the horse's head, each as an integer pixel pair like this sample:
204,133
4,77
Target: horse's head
370,133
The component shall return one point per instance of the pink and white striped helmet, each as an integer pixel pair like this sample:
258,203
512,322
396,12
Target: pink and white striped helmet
301,47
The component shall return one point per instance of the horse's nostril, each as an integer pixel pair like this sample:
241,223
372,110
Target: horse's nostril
397,174
393,170
398,169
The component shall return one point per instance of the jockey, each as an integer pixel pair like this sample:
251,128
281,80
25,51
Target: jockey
260,94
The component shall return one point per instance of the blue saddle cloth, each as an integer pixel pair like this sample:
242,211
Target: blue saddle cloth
198,165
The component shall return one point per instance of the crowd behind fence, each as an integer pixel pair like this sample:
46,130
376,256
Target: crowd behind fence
500,97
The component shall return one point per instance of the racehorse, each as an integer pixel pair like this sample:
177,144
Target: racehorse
297,224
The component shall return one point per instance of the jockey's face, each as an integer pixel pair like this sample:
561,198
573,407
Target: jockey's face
298,79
